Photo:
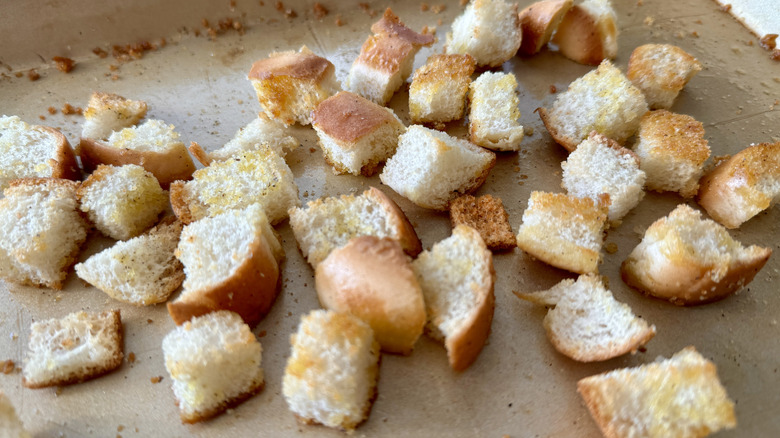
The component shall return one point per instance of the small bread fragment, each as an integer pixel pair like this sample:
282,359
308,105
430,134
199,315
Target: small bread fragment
78,347
661,71
493,112
231,263
603,100
586,323
386,59
689,260
215,363
538,21
329,223
290,85
109,112
41,231
438,91
487,215
34,151
372,278
672,151
153,145
742,186
488,30
141,271
331,375
600,165
431,168
10,424
123,201
457,280
564,231
677,397
588,32
355,134
253,177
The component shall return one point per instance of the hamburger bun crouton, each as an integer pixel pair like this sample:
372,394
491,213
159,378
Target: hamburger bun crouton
588,32
253,177
78,347
487,215
329,223
153,145
386,59
689,260
260,133
564,231
123,201
141,271
742,186
494,115
438,91
355,134
586,323
457,279
372,278
34,151
488,30
10,424
332,371
41,231
291,84
229,264
215,363
600,165
672,151
108,112
538,22
661,71
431,168
603,100
677,397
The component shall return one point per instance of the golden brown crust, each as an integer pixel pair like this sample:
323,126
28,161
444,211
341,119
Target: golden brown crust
385,53
391,25
642,63
559,138
677,135
407,235
179,202
197,417
538,21
581,37
201,155
347,118
64,164
302,65
487,215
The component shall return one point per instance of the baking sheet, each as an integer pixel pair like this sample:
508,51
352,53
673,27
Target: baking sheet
519,386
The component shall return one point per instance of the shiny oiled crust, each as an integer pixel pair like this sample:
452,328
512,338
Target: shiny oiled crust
584,38
538,21
347,117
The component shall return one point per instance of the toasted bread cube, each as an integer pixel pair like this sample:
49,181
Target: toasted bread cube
457,279
291,84
331,375
438,91
215,363
329,223
494,113
600,165
603,101
41,231
564,231
539,20
689,260
260,176
588,32
356,135
487,215
680,397
586,323
78,347
431,168
108,112
10,423
488,30
122,202
661,71
386,59
742,186
672,151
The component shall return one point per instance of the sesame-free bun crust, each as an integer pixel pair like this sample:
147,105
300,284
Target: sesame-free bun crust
588,35
538,21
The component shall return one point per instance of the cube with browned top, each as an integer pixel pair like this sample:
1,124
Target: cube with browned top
438,91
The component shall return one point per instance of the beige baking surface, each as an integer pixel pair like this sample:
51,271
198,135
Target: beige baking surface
519,385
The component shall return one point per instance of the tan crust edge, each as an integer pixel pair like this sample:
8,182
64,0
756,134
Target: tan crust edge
201,155
179,203
228,404
629,346
566,142
407,236
574,259
538,21
581,37
593,401
65,165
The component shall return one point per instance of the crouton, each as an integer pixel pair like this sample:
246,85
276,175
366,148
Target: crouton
538,21
588,32
438,91
661,71
108,112
494,115
487,215
488,30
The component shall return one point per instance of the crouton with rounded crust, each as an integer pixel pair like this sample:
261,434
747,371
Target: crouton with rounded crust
539,20
588,32
109,112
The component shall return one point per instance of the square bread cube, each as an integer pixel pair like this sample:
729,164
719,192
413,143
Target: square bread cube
488,30
438,91
291,84
430,168
356,135
331,375
661,71
494,114
487,215
564,231
215,363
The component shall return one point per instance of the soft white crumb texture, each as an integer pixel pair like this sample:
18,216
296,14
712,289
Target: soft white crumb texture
487,30
260,133
107,113
494,116
151,136
25,150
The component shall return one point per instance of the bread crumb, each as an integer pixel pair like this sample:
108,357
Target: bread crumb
120,428
18,74
365,7
640,2
69,109
437,9
52,110
42,117
320,11
100,52
131,357
725,8
611,248
58,391
33,75
149,321
339,22
63,64
156,380
695,34
553,89
775,55
262,334
288,12
649,21
424,7
7,367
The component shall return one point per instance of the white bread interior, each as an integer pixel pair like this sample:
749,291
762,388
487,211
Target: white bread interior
488,30
661,71
438,91
494,117
109,112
